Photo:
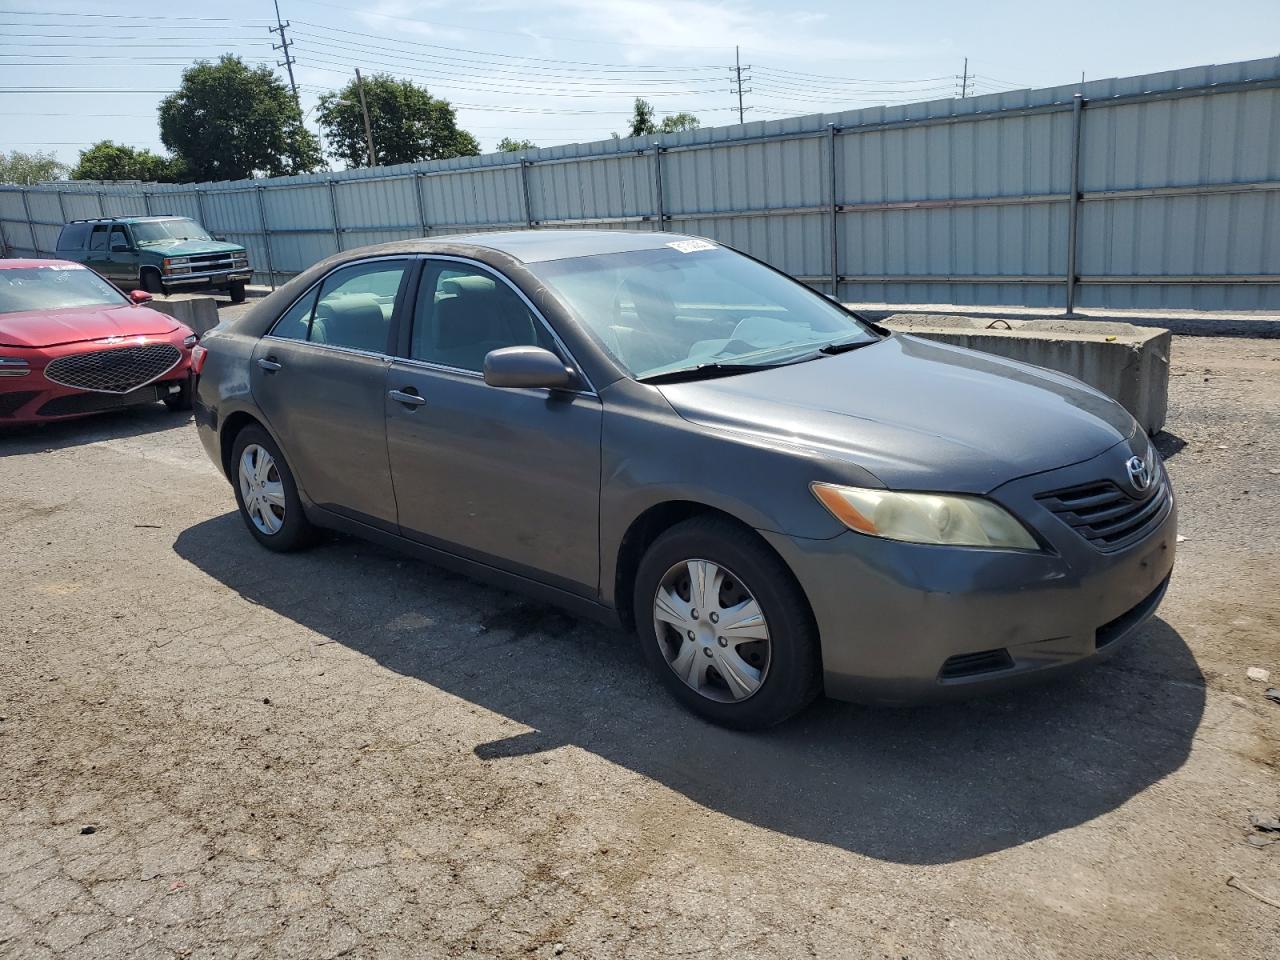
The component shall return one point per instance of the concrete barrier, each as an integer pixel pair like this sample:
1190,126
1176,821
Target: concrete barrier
200,313
1129,364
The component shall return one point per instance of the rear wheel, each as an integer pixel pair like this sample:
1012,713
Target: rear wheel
267,494
725,625
151,282
237,292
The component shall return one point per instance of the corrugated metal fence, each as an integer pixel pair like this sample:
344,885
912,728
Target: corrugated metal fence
1156,191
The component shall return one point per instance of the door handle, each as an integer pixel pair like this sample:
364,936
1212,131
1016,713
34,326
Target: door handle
409,399
269,365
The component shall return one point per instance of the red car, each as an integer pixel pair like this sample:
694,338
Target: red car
71,344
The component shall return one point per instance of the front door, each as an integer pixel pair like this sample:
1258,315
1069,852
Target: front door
508,477
320,376
97,257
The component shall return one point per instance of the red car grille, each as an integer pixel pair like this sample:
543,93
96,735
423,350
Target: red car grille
117,370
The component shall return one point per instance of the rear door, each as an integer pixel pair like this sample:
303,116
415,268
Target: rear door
319,377
97,257
508,477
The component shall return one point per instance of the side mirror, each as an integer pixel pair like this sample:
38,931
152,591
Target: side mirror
221,239
119,246
526,367
140,296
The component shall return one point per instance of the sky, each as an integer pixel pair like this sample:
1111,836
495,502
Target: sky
561,71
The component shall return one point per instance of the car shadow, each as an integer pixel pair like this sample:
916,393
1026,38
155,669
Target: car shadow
114,424
924,785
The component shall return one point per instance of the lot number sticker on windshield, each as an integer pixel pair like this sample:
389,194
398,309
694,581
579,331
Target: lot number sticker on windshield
691,246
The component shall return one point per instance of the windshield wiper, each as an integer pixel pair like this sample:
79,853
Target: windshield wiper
831,349
705,371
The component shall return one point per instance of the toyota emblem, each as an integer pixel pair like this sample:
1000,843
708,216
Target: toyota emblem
1139,474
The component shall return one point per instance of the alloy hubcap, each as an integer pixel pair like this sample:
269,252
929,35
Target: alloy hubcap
261,489
711,630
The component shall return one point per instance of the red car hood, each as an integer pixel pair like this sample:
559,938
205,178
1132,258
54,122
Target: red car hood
50,328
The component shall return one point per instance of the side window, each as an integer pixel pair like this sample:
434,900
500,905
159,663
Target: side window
297,319
462,313
118,236
355,305
73,236
98,239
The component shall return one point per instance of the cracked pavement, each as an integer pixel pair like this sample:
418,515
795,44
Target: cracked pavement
348,753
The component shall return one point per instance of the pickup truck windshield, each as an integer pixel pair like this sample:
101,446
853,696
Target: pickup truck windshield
161,231
693,305
54,288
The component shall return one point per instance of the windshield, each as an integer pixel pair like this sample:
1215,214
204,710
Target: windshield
660,311
161,231
56,287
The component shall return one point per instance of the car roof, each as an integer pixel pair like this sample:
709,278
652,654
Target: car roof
538,246
19,264
159,216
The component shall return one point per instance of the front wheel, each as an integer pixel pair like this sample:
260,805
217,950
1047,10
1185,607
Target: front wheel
151,282
725,625
237,292
267,494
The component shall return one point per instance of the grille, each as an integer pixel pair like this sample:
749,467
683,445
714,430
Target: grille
117,370
213,261
972,664
78,403
1108,517
10,402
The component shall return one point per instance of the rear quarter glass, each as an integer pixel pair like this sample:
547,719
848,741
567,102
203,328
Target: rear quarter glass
73,236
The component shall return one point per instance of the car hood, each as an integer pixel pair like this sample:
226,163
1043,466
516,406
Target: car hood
190,248
916,414
50,328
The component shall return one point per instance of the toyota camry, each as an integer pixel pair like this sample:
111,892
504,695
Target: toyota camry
779,498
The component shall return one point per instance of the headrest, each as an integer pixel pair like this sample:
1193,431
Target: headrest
472,284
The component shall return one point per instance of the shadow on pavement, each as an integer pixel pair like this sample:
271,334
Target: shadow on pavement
113,425
923,785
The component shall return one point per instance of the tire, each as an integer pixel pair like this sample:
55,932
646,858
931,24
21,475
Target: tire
294,531
180,401
237,292
786,667
151,282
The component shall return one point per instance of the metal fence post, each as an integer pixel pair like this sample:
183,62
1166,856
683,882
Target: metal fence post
102,206
524,186
146,202
1073,207
657,186
333,210
832,197
266,235
204,219
422,206
31,226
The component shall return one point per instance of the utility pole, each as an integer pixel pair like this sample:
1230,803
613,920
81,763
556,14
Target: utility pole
284,45
364,108
964,81
737,74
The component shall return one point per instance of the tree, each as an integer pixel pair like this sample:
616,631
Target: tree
230,122
106,160
408,124
509,145
19,167
643,125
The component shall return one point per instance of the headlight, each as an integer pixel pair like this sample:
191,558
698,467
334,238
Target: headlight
957,521
176,265
13,367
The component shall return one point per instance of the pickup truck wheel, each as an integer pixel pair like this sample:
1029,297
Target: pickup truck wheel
151,282
237,292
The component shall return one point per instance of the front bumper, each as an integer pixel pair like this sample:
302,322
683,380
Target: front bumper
214,279
902,623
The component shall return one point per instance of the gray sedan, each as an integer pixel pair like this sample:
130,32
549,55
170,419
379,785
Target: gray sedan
779,498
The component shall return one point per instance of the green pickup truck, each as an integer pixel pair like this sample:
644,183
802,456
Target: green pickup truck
156,254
